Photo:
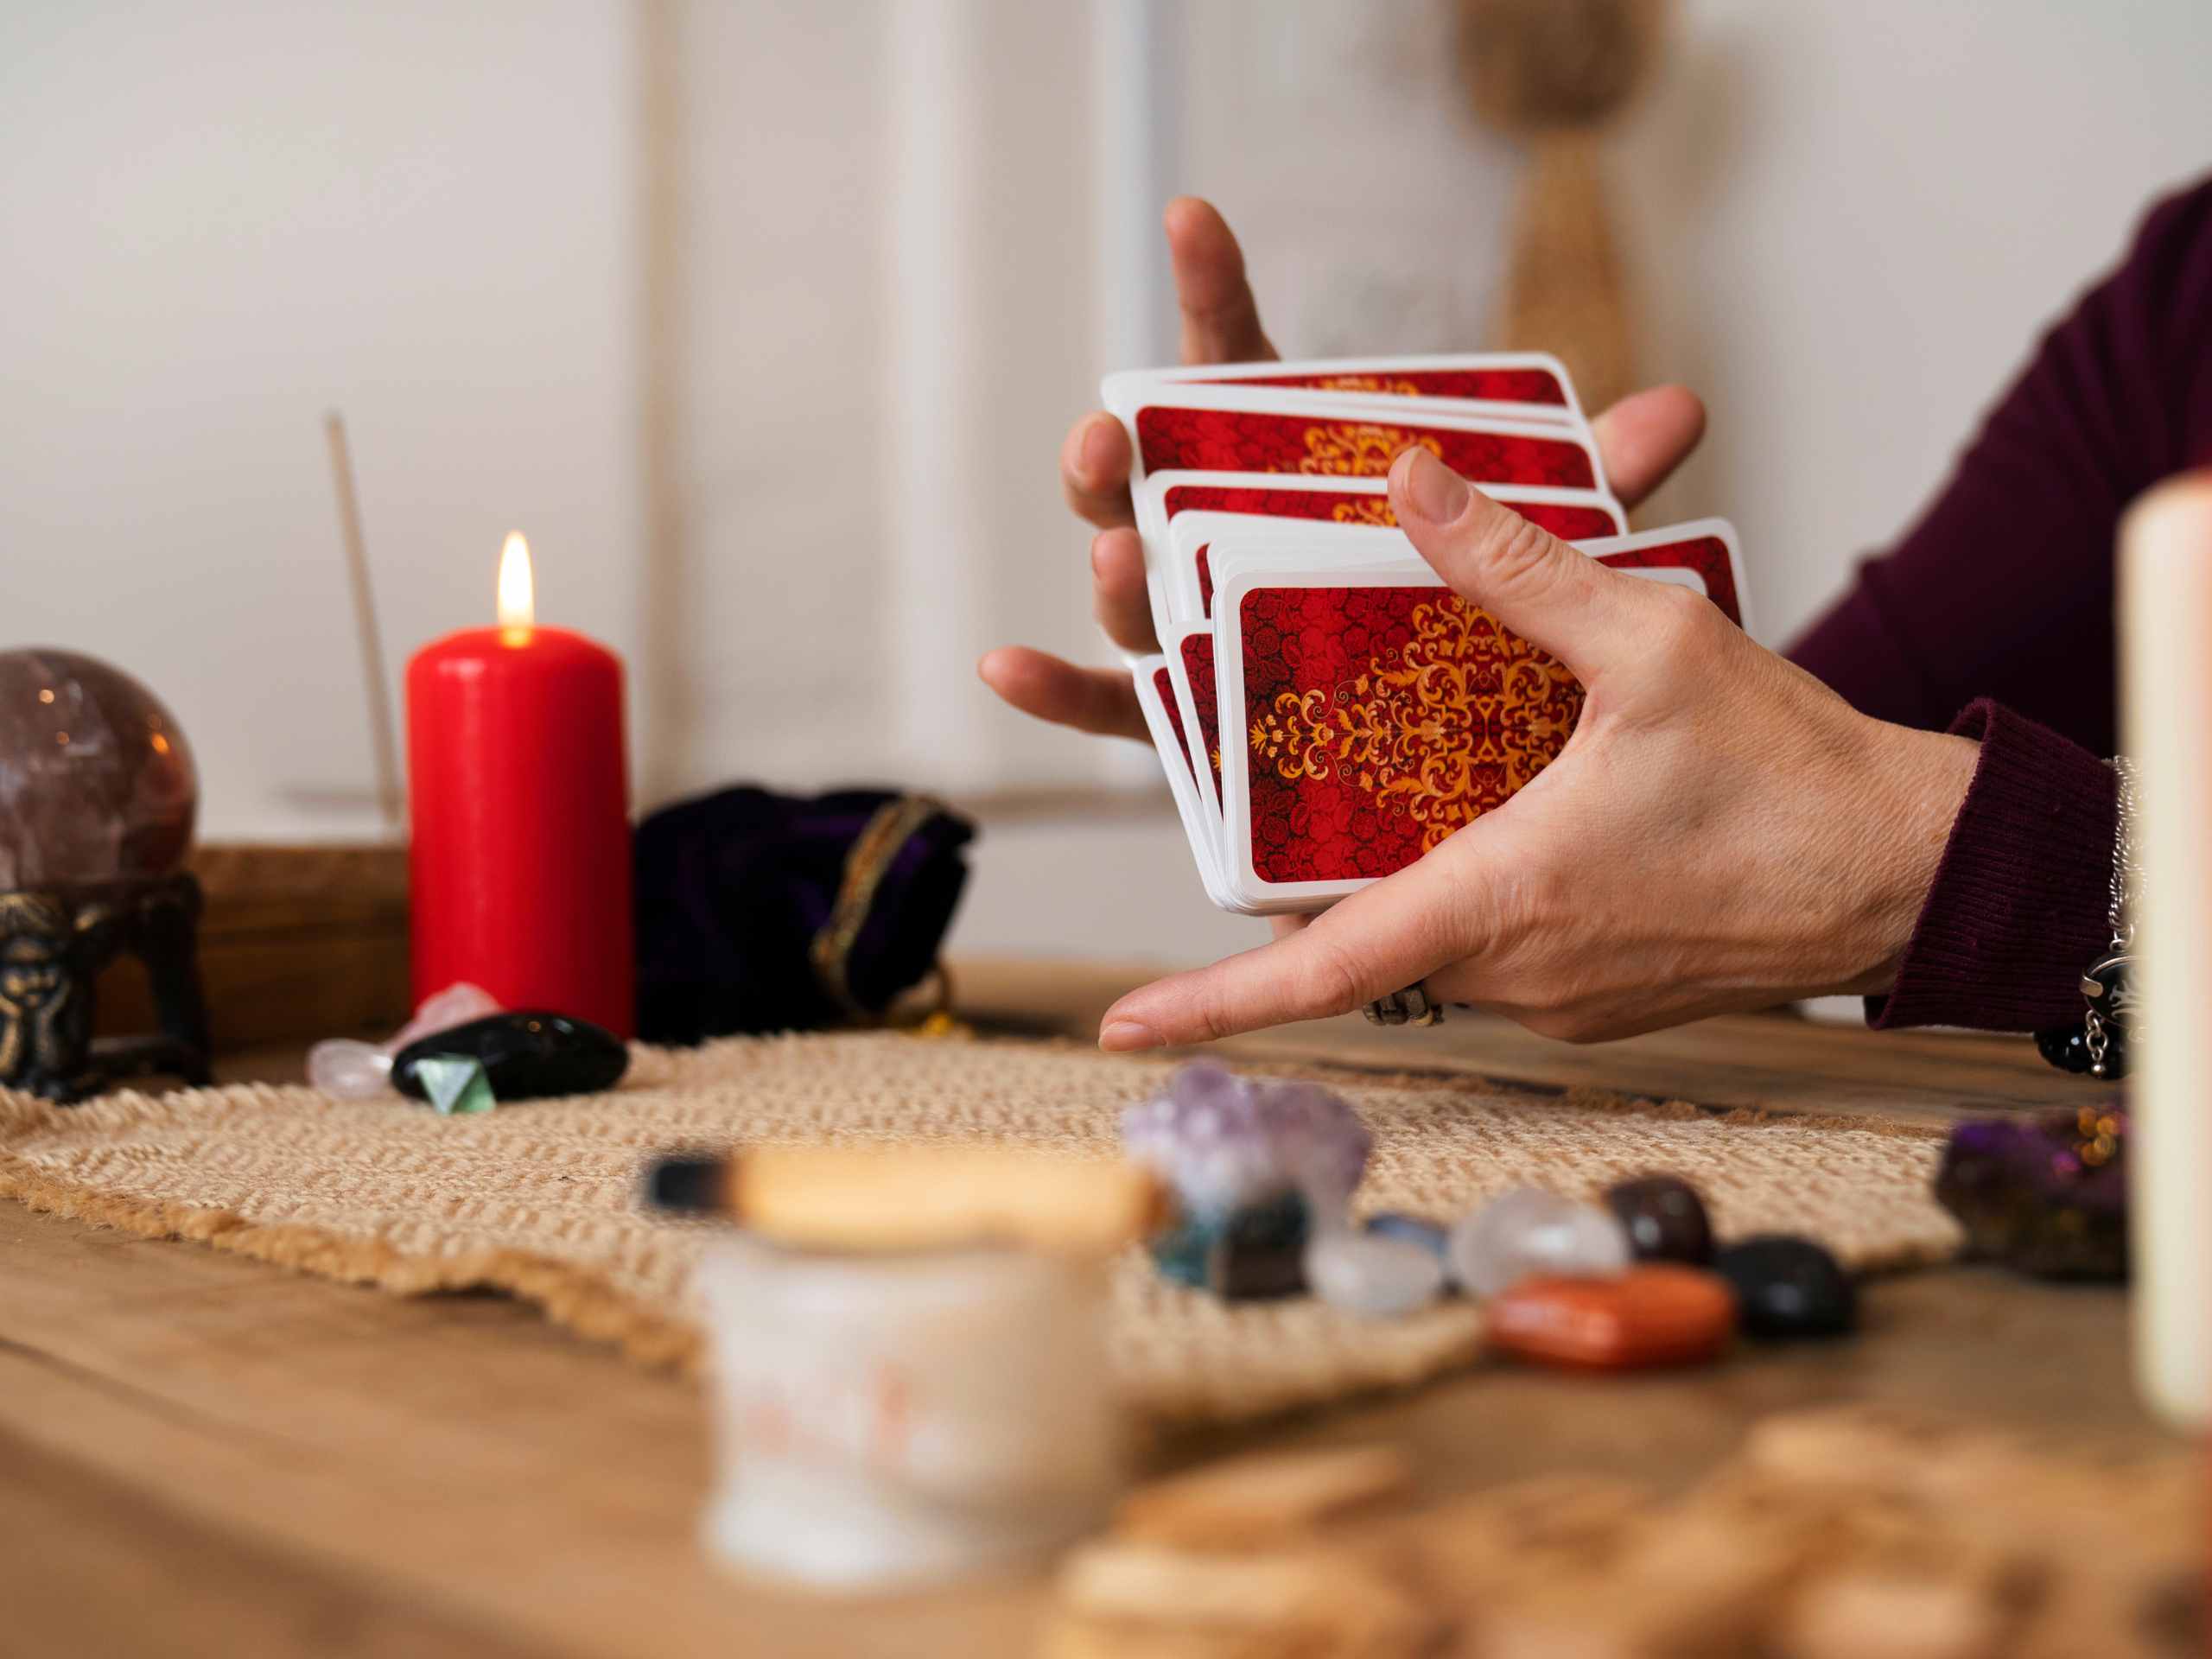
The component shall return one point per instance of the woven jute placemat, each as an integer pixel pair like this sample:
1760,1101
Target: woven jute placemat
539,1200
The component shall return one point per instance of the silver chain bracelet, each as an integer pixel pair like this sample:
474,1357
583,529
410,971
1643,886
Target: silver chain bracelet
2105,988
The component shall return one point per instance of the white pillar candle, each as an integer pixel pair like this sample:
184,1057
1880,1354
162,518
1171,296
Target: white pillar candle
2165,622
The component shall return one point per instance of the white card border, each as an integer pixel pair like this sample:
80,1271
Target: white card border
1212,374
1193,527
1181,783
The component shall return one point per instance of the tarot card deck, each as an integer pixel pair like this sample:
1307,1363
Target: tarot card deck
1326,708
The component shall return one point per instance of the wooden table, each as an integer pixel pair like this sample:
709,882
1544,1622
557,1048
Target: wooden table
202,1454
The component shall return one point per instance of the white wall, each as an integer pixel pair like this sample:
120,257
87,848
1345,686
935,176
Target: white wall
888,294
222,220
1336,140
1846,221
1852,222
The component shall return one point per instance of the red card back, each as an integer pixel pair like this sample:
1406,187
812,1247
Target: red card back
1380,720
1252,441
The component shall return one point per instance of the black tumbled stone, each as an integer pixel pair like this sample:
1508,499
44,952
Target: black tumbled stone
1246,1269
526,1054
1665,1219
1262,1252
1788,1287
2066,1047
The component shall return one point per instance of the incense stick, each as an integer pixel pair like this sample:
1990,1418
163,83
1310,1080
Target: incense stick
389,800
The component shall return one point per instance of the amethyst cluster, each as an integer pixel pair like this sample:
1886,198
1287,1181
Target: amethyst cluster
1260,1170
2046,1195
1225,1142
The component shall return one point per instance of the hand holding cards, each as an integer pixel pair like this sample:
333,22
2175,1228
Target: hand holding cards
1326,709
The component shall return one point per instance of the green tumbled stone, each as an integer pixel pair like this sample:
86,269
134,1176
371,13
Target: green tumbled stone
1254,1252
1181,1252
455,1085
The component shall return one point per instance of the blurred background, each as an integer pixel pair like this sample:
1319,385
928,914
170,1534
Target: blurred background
763,319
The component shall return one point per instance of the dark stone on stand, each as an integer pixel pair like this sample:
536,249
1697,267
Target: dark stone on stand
98,798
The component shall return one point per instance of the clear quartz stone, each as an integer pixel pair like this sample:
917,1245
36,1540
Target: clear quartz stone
351,1070
1528,1232
1371,1274
355,1070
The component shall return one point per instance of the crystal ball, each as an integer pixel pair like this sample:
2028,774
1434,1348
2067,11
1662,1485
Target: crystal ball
96,781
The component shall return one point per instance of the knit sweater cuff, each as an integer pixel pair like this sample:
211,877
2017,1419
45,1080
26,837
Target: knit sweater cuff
2022,900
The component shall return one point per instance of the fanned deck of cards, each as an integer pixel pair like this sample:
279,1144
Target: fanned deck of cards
1326,708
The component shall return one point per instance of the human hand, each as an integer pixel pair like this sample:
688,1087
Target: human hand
1221,324
1721,832
1641,439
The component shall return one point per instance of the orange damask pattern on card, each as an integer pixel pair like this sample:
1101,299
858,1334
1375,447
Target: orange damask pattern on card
1381,720
1359,450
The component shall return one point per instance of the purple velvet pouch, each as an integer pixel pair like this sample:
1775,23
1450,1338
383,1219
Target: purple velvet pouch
758,911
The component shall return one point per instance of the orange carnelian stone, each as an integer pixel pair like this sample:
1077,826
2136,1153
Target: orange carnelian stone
1653,1315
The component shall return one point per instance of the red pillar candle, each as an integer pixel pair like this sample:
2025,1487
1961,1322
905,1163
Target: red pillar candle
518,793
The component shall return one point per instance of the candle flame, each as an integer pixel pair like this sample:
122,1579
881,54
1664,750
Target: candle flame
517,595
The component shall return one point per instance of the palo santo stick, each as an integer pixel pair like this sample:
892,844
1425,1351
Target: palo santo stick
1266,1499
890,1198
1302,1601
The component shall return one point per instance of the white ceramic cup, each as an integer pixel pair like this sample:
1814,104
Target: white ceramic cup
893,1419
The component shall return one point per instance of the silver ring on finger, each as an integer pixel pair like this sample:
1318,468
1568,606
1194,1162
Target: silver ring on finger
1411,1007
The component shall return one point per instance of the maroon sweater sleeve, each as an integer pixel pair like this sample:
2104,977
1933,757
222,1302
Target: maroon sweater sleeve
2022,901
1999,602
